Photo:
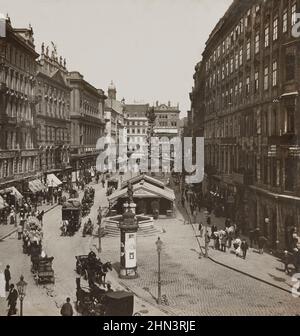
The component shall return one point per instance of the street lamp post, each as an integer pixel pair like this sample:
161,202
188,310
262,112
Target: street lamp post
21,286
159,244
99,229
206,213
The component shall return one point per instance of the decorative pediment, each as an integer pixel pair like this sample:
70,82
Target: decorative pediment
57,76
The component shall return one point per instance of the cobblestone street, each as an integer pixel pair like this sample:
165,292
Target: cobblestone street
194,286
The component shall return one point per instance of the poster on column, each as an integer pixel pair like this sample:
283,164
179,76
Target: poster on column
130,250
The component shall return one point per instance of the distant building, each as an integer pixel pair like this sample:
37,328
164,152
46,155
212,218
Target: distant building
136,124
114,115
167,120
53,114
87,122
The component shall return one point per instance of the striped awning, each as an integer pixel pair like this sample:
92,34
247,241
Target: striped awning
53,181
13,191
36,186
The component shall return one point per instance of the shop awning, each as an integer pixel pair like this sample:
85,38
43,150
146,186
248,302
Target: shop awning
12,191
36,186
3,204
53,181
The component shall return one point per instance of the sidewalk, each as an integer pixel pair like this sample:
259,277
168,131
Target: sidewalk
265,268
8,229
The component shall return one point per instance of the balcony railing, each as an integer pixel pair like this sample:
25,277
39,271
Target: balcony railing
284,140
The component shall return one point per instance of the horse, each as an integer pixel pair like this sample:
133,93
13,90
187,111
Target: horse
103,271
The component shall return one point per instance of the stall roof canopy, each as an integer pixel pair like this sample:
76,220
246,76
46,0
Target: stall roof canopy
52,178
36,186
3,204
144,190
13,191
144,177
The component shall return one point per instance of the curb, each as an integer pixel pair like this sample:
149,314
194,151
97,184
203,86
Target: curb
249,275
236,269
15,230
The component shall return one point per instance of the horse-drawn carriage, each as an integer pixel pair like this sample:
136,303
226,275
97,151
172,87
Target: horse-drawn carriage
92,269
95,301
42,269
71,217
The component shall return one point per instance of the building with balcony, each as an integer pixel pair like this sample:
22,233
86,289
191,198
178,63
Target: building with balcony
87,122
136,124
114,115
246,98
18,145
53,114
167,120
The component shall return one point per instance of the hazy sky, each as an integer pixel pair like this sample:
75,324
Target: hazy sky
149,48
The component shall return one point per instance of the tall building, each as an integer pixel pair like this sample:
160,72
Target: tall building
136,124
18,146
53,114
167,120
246,97
114,114
87,122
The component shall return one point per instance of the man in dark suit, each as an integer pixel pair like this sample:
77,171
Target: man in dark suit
12,300
7,278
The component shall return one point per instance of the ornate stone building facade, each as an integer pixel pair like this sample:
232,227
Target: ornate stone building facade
53,114
18,146
136,124
246,97
167,120
87,121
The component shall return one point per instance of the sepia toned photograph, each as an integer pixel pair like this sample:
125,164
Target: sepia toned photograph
149,159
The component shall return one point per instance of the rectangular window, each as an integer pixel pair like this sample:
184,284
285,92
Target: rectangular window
266,78
248,51
293,17
241,57
290,174
274,74
267,35
275,29
257,40
247,85
256,82
290,119
285,22
290,63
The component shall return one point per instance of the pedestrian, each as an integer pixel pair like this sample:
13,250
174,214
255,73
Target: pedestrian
67,309
262,243
7,277
182,202
244,248
109,289
237,246
20,230
12,300
223,239
251,237
227,223
200,228
286,260
12,216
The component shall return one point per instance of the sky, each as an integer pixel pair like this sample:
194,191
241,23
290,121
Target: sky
149,48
